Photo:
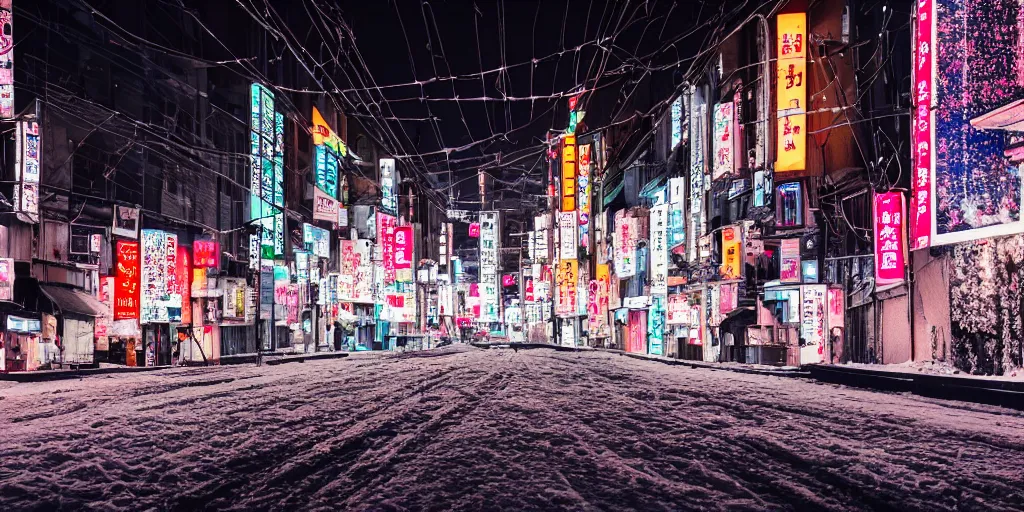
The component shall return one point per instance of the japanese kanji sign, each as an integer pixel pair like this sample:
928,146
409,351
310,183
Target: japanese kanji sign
889,238
791,92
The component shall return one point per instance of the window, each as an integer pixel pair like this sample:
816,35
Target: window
789,205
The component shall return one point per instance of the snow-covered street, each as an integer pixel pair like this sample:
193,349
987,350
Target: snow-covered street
470,429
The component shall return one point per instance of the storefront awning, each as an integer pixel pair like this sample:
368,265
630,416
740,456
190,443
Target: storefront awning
70,300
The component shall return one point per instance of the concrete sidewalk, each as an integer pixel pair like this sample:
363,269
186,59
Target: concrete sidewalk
48,375
268,359
964,388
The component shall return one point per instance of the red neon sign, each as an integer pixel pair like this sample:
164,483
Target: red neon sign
126,281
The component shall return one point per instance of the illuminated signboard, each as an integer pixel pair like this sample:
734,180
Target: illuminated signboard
791,93
206,253
126,280
266,138
732,253
889,243
584,194
403,247
922,97
388,186
489,240
386,239
569,174
6,59
325,203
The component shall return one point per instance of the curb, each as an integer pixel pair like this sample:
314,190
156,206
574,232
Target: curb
788,373
1009,394
304,358
44,376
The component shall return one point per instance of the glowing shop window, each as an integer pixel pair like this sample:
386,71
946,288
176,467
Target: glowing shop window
789,205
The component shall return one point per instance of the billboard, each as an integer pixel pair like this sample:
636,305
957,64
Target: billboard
971,147
160,296
266,186
127,280
791,93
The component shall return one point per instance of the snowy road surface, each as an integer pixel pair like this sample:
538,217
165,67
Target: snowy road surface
470,429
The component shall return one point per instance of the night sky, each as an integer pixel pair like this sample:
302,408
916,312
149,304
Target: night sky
526,57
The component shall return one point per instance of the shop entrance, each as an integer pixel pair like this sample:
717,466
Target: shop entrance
157,340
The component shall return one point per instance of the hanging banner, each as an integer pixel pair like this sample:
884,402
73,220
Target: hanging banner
790,261
584,194
403,247
6,60
126,281
659,249
567,279
890,252
569,174
732,253
324,135
723,140
791,93
922,96
567,248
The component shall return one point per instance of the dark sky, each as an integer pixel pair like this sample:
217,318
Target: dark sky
526,57
535,54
